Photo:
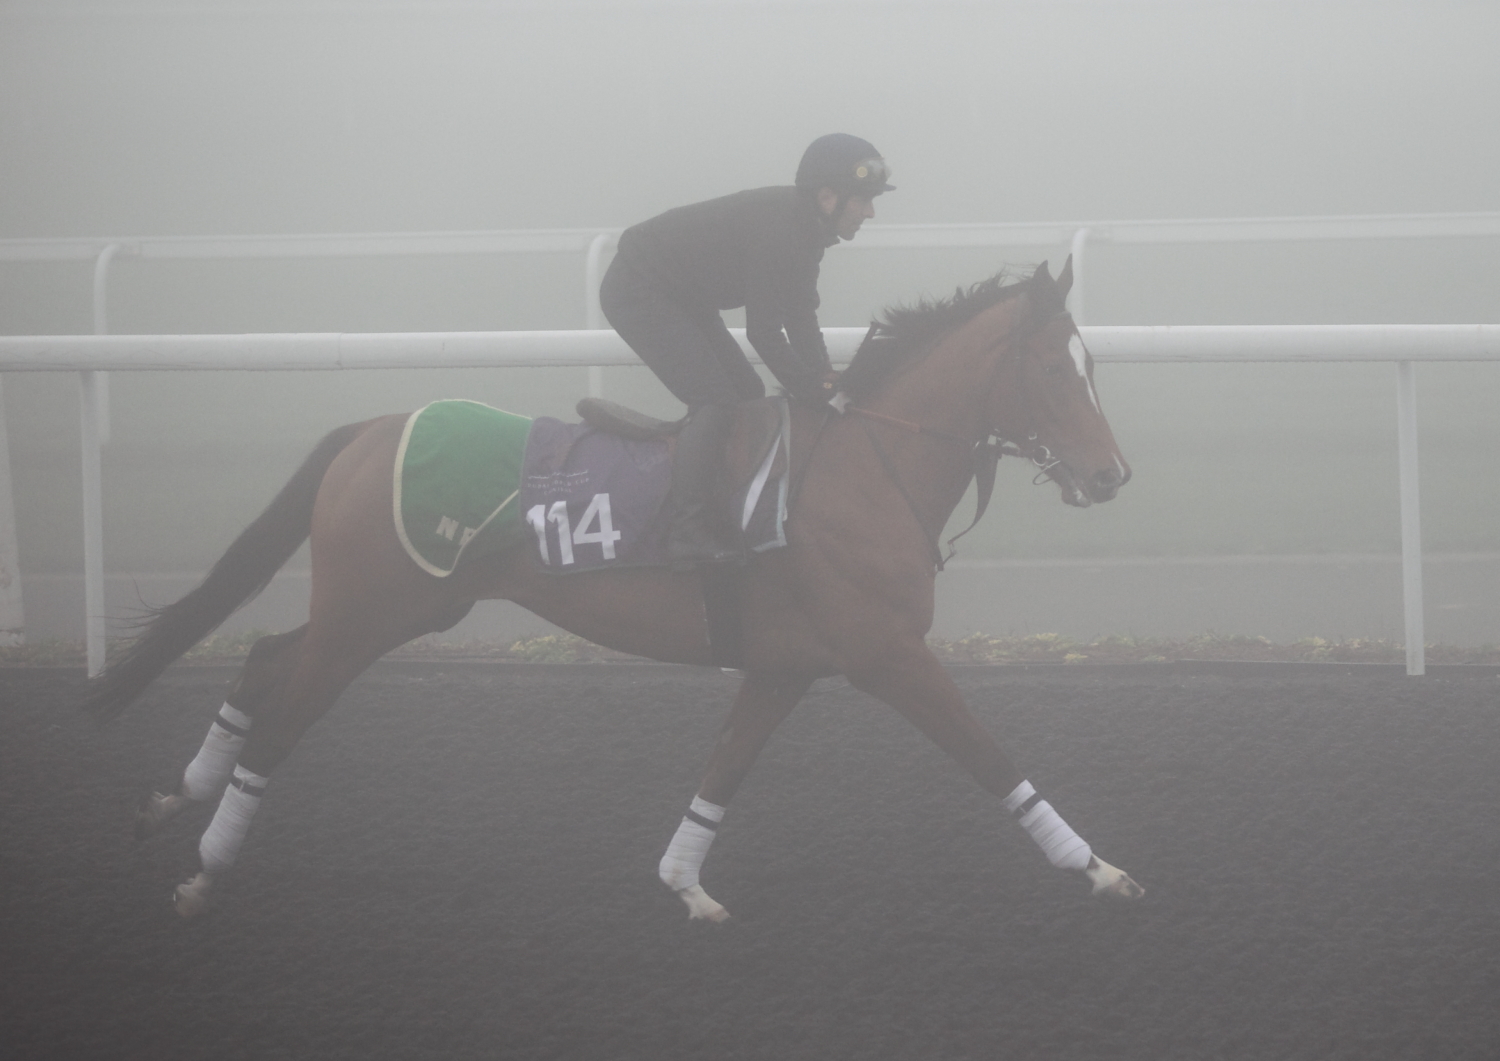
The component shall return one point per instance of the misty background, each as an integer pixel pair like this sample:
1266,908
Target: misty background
1264,498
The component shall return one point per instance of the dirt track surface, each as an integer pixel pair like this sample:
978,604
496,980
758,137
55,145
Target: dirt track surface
460,863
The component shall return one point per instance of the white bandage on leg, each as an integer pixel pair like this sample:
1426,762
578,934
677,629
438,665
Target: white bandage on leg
1063,847
226,832
209,770
689,847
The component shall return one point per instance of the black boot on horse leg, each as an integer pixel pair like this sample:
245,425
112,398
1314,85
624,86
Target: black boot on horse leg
697,535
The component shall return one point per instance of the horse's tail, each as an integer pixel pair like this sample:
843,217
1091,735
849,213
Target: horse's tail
239,575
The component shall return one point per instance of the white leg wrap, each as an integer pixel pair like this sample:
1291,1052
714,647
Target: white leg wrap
1063,847
689,847
209,770
226,832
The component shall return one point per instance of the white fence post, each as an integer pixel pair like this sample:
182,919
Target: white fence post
93,522
101,327
1411,518
93,414
593,315
1080,244
12,618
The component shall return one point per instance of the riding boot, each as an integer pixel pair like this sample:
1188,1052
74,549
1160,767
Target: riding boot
695,536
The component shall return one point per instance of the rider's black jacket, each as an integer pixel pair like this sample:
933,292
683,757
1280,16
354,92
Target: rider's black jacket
759,249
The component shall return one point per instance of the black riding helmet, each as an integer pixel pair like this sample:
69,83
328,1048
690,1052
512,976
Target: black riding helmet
846,164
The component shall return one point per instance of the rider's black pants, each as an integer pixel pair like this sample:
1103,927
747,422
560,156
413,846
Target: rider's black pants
691,351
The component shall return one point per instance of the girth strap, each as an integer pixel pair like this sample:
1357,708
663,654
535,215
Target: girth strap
723,604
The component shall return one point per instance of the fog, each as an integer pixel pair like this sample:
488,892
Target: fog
135,119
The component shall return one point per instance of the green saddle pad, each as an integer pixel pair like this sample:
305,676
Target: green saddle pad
457,478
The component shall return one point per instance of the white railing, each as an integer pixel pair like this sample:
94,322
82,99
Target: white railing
1402,344
595,244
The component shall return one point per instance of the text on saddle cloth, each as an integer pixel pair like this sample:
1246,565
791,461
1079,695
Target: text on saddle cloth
593,499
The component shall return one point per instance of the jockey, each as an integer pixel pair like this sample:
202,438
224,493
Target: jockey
760,249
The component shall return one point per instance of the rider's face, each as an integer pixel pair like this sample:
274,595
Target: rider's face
856,211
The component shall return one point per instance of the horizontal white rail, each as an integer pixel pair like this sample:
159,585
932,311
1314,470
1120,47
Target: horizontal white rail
396,350
1294,342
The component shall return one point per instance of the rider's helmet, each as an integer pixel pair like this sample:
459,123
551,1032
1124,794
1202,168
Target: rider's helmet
844,163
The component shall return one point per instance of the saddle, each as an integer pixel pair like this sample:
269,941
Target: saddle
593,492
757,430
617,419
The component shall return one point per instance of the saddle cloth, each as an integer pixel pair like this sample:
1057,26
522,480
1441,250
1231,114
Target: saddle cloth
457,482
594,499
470,480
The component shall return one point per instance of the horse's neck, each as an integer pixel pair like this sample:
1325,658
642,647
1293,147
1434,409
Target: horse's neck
947,390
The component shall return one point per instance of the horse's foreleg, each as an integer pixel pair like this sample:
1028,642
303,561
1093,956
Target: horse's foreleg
917,686
760,706
208,773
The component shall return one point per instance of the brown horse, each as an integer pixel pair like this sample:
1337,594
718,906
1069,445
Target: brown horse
850,594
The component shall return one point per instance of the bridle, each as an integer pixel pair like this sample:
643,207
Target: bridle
1030,448
984,457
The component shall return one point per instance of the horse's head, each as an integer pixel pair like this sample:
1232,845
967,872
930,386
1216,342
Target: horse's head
1049,403
1000,358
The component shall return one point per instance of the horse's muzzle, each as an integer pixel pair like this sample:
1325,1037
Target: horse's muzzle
1081,493
1106,484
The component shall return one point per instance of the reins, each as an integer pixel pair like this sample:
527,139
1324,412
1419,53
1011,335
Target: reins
984,459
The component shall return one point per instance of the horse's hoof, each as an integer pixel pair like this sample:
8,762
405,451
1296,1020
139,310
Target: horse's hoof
1112,881
154,812
700,906
191,897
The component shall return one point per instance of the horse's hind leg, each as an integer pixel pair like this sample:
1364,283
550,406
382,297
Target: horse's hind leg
762,704
320,666
208,773
311,681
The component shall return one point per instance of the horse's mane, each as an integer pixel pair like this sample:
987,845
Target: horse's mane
908,330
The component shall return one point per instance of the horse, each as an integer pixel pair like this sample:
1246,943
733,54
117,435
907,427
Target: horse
998,366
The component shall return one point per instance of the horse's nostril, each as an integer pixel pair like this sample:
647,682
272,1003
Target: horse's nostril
1109,479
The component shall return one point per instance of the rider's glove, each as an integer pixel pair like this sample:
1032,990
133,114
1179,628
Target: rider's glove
830,392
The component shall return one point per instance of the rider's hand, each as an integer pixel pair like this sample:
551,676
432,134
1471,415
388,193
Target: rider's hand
831,393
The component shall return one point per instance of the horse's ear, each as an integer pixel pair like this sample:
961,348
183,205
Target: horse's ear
1065,278
1046,294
